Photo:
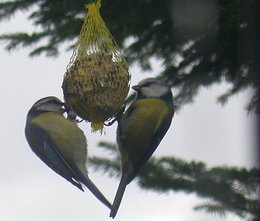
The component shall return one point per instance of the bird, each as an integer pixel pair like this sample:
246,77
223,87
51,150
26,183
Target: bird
140,130
60,143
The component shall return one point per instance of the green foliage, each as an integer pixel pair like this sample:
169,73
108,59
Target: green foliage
198,42
226,189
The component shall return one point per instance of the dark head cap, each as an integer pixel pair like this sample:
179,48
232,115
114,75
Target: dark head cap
48,104
152,88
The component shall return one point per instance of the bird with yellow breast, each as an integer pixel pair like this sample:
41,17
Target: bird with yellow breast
141,129
60,143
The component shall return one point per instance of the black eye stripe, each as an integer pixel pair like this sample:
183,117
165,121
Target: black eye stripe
146,84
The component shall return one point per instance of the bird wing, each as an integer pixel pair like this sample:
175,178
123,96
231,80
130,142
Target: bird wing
73,174
51,157
141,129
48,140
163,123
59,164
139,133
64,150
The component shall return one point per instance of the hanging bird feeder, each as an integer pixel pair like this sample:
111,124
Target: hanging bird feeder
96,81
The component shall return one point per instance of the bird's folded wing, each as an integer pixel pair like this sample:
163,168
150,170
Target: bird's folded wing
59,164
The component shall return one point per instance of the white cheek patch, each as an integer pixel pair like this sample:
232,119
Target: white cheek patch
155,90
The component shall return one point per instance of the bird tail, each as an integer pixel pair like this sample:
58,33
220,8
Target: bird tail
92,187
118,197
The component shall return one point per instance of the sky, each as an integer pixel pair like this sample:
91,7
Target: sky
30,191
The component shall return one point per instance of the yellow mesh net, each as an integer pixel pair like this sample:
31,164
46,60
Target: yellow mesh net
96,81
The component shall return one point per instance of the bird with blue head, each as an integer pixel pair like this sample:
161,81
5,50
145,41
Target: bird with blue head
60,143
141,129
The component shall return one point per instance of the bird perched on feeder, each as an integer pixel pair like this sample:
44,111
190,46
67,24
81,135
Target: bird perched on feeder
59,143
141,129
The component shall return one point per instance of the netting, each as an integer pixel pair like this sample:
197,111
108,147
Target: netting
96,81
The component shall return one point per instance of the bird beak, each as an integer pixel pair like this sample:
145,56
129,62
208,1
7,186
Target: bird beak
136,87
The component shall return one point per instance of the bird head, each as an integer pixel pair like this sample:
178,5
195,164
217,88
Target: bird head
152,88
47,104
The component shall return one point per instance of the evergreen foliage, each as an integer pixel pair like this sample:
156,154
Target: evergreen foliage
225,189
198,42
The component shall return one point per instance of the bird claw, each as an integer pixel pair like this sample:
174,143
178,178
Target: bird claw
110,122
119,114
71,115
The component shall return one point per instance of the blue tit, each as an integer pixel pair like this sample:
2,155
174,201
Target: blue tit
141,129
59,143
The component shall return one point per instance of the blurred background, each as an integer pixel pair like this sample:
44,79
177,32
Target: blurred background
207,50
